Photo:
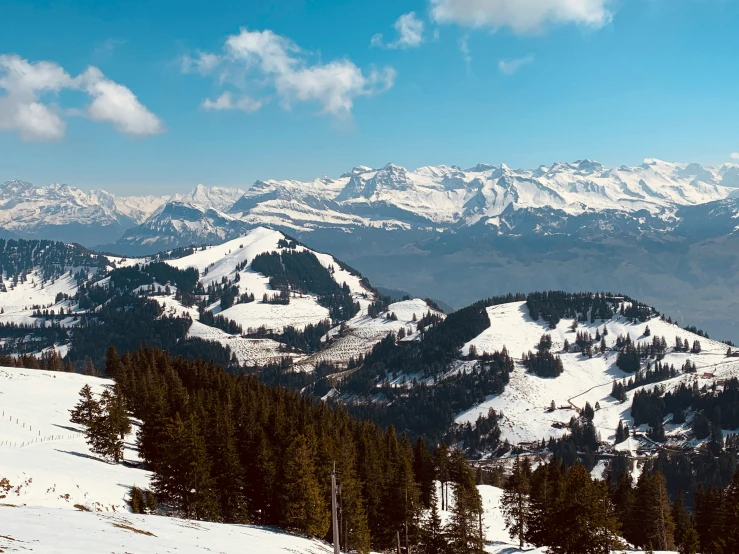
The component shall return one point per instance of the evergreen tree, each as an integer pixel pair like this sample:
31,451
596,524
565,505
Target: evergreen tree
464,530
137,502
108,428
183,477
515,503
304,510
87,409
423,468
657,527
433,541
584,516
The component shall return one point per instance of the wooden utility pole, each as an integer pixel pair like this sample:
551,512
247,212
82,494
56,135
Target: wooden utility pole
334,518
406,521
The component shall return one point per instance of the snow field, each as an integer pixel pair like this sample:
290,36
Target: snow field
363,332
57,469
525,401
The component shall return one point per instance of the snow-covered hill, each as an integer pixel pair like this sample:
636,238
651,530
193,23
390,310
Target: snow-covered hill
526,400
65,500
37,300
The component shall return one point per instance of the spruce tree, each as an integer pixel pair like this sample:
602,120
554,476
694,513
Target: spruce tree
87,409
515,503
464,530
432,531
584,517
104,434
183,477
303,508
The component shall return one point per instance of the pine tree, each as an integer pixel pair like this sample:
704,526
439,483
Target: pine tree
441,461
682,518
183,476
137,502
432,532
109,426
464,530
690,543
423,468
303,508
515,503
545,488
584,516
87,409
657,527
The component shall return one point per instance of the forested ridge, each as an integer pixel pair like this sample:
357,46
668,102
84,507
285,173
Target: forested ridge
229,448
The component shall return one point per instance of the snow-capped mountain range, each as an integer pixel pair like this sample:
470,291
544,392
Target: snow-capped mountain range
392,197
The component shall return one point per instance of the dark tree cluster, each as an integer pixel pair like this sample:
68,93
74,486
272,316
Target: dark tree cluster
719,405
553,306
543,363
429,410
660,372
18,258
221,322
227,448
301,272
560,507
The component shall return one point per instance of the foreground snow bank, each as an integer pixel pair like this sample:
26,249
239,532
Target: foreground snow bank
55,531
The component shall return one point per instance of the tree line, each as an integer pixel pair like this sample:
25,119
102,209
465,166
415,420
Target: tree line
229,448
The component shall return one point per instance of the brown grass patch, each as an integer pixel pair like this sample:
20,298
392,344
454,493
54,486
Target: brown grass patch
129,528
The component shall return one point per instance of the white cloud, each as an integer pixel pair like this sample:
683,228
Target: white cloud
522,16
25,108
226,102
464,48
735,156
118,105
264,60
409,29
509,67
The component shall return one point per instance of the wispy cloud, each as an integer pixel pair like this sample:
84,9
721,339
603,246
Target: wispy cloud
226,102
522,16
464,48
271,64
734,156
509,67
107,46
410,33
27,109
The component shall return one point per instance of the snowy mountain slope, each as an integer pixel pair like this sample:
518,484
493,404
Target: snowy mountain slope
51,469
218,262
68,213
37,301
560,199
527,397
45,456
358,335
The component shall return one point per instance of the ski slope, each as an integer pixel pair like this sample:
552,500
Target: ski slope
526,399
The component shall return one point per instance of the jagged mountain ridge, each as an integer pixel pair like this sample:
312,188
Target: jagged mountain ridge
573,199
67,213
391,197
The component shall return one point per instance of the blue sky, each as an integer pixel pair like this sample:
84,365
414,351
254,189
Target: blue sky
155,97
